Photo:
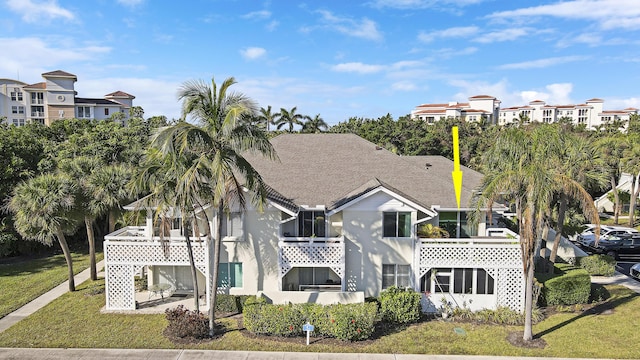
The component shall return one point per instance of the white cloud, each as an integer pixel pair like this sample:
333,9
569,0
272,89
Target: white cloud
365,28
555,94
542,63
358,67
619,104
472,88
33,12
271,26
503,35
37,55
609,14
589,39
454,32
261,14
253,53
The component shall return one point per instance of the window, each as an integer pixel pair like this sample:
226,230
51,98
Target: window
396,224
84,112
106,112
17,109
232,225
311,223
16,95
230,275
18,122
37,98
396,275
457,281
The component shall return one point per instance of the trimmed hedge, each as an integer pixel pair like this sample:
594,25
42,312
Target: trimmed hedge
349,322
603,265
400,305
230,303
568,285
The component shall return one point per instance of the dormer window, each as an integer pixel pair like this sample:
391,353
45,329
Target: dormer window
311,223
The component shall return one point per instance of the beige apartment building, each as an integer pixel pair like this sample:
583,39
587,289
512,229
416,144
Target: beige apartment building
55,98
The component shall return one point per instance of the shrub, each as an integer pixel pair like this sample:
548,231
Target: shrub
352,322
603,265
400,305
501,316
230,303
569,285
184,323
343,321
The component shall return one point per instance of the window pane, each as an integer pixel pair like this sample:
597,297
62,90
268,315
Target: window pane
319,225
404,276
321,276
481,282
425,282
442,283
236,224
389,224
388,276
305,276
468,281
404,224
223,275
236,274
489,284
458,281
305,223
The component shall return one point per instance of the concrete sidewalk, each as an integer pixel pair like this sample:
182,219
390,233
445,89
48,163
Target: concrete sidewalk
41,301
142,354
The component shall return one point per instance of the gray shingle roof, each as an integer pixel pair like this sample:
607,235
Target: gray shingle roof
331,169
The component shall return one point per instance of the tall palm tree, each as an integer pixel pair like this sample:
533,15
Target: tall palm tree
611,149
107,185
631,164
521,165
216,146
42,209
314,125
288,117
267,116
580,160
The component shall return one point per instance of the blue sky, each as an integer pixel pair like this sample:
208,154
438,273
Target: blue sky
339,59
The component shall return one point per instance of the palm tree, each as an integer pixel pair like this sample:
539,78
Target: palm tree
611,148
522,165
42,209
314,125
580,161
631,164
215,146
107,185
267,116
288,117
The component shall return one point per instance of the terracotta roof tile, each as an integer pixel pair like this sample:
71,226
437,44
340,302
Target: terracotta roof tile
37,86
59,73
120,94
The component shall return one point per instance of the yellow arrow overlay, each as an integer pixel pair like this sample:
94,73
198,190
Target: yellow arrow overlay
456,174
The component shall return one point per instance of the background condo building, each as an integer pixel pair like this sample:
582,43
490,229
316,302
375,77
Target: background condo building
590,114
55,98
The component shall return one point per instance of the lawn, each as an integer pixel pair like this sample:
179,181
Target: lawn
24,281
74,320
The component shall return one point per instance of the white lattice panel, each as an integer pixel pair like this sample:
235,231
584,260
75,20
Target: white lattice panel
468,255
120,287
311,254
173,253
511,288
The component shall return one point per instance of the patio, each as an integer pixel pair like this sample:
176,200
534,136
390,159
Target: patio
149,302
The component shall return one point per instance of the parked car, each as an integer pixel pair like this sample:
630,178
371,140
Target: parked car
616,246
635,271
587,237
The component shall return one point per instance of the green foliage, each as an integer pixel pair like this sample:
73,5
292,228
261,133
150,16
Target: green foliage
568,285
400,305
350,322
603,265
230,303
184,323
501,316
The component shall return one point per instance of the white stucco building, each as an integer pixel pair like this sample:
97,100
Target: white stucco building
479,107
55,98
340,225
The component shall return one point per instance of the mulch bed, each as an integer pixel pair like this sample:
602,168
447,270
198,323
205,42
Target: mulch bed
515,339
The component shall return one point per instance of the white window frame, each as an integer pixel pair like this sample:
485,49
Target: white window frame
397,224
395,273
230,223
221,284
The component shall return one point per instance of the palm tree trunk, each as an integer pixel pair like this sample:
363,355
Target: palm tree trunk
562,208
616,198
632,200
112,221
67,257
214,269
88,223
192,264
528,305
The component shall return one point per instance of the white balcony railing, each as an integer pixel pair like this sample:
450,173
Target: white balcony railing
37,114
312,252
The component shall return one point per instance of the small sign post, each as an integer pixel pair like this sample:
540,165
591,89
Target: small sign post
308,328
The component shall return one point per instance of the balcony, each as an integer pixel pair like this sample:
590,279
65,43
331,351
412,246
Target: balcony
37,114
312,252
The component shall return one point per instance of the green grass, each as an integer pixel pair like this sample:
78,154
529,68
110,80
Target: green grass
74,320
24,281
623,220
